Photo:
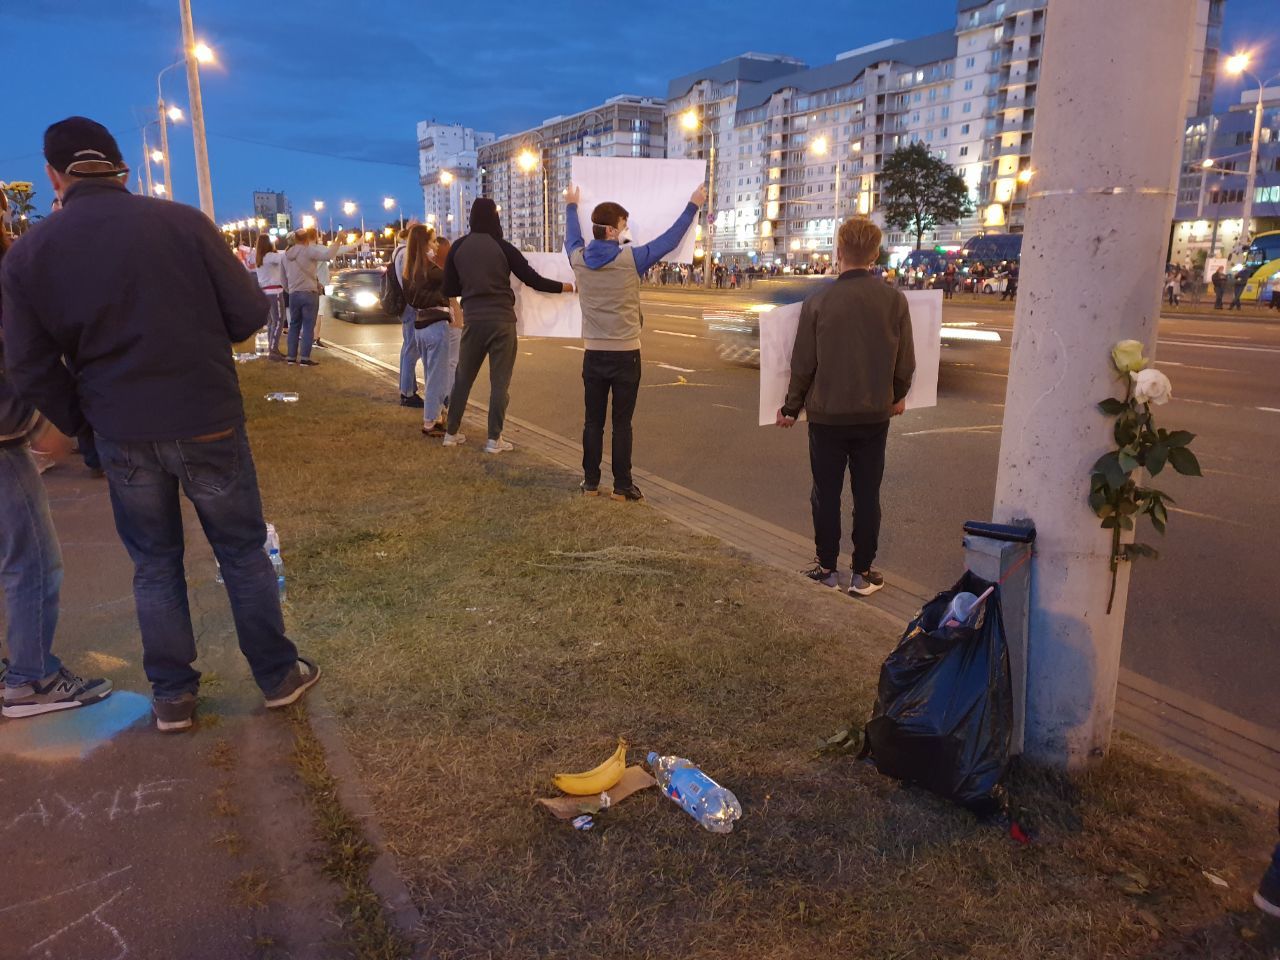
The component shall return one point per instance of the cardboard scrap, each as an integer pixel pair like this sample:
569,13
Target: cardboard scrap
566,808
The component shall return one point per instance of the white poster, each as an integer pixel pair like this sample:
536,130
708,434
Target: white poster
548,314
778,337
653,192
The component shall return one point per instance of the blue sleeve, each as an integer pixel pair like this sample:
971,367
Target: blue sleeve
653,251
572,229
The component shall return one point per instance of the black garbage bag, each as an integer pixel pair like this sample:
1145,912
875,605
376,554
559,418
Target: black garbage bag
944,708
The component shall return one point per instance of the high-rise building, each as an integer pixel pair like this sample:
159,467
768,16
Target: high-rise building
449,174
274,208
781,130
1207,220
525,173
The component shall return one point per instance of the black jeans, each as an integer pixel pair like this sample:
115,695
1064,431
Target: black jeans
860,448
495,339
604,371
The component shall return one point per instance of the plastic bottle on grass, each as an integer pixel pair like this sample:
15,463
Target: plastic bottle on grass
260,344
701,797
283,396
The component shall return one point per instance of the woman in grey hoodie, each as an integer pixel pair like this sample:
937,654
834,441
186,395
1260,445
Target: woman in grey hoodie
301,262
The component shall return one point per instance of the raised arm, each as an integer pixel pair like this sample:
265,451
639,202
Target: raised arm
572,229
653,251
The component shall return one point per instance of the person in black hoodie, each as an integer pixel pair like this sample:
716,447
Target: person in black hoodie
120,312
35,681
479,270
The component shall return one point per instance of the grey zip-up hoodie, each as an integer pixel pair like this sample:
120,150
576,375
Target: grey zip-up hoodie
302,260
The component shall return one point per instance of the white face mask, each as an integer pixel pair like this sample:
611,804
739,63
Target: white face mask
625,235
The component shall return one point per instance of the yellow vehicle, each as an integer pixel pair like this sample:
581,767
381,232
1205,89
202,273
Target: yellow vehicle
1262,267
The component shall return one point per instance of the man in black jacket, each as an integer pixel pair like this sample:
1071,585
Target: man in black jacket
120,312
479,269
851,369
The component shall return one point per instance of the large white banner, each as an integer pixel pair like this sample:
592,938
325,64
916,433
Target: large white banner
653,192
778,338
548,314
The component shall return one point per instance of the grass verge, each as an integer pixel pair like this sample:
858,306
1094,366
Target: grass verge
482,627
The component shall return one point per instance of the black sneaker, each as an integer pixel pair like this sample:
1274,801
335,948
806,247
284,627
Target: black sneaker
866,583
173,716
631,493
301,678
412,400
309,362
1267,896
58,691
590,489
291,359
318,344
4,668
823,575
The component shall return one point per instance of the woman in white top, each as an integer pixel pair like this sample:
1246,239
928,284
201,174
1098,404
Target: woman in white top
270,271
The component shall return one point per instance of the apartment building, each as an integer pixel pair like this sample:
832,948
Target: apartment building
448,170
526,173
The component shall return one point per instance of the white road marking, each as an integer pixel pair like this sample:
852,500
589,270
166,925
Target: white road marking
667,366
1203,403
571,347
1207,516
1192,366
725,406
672,333
1218,346
1269,409
978,429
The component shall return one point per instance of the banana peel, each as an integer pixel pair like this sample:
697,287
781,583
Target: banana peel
597,780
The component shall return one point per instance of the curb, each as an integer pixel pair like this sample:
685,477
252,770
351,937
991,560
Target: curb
1243,754
384,874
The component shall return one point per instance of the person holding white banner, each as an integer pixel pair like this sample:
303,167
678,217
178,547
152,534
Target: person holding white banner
851,369
608,272
479,270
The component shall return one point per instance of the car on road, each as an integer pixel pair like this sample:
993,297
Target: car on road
735,328
355,295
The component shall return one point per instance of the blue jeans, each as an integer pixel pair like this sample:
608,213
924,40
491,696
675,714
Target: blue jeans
303,307
219,479
30,568
433,346
409,354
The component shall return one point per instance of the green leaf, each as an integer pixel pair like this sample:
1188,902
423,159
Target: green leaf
1156,458
1135,550
1128,462
1185,462
1180,438
1109,523
1109,466
1126,523
1113,407
1097,501
1158,524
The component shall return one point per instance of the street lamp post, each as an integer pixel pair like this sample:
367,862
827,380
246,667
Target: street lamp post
446,180
690,122
1238,66
163,116
528,161
146,162
195,55
821,148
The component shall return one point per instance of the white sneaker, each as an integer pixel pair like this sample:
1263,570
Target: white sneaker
453,439
498,446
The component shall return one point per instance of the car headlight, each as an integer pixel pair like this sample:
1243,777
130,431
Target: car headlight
759,308
365,299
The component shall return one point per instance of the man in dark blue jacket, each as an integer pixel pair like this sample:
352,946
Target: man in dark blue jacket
120,312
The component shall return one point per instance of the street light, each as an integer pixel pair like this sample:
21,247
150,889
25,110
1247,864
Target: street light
308,221
157,156
1024,176
348,208
160,190
175,114
528,161
203,53
1237,66
821,147
690,122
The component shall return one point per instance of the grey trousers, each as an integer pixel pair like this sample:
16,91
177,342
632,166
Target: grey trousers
495,339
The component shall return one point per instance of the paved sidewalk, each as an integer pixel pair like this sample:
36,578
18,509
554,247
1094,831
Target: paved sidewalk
122,842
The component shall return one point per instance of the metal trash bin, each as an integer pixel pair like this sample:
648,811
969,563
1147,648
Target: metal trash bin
1001,553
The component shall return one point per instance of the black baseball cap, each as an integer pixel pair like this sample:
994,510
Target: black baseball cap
82,147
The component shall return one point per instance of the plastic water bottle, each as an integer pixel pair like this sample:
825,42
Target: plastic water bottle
277,564
701,797
283,397
260,345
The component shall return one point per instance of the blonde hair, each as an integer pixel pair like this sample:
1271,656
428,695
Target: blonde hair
859,242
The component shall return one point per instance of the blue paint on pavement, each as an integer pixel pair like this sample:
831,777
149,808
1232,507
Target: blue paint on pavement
72,734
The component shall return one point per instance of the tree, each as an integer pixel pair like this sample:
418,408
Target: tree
22,205
918,191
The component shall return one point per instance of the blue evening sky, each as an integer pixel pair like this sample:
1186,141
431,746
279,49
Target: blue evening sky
319,98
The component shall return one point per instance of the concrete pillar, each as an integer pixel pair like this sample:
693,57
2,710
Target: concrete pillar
1108,145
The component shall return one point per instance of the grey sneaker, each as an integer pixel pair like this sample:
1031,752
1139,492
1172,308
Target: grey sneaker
867,583
823,575
453,440
176,714
58,691
498,446
301,678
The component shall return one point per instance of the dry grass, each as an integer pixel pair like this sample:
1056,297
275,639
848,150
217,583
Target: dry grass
482,627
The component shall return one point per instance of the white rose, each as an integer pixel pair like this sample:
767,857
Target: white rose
1151,386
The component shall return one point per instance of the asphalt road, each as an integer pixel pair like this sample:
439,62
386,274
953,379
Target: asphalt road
1203,619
